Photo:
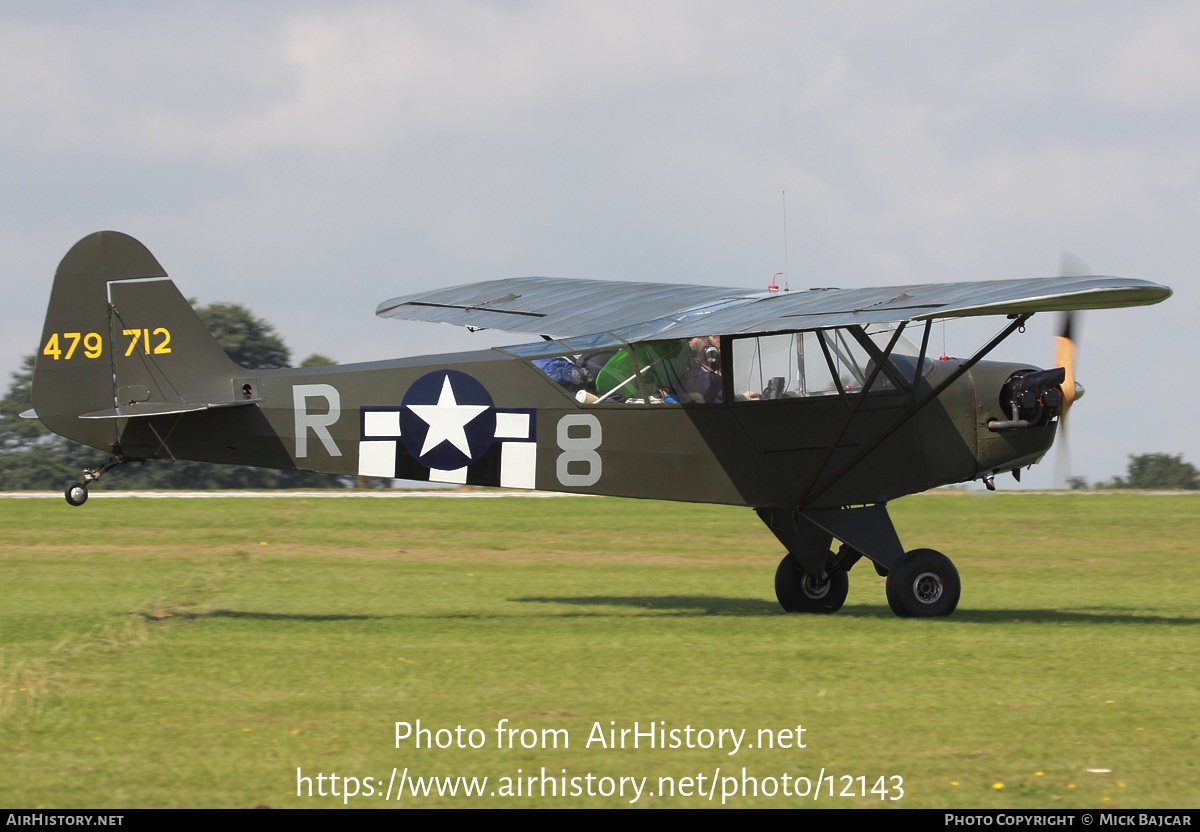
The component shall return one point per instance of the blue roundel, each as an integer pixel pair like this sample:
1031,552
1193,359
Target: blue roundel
447,421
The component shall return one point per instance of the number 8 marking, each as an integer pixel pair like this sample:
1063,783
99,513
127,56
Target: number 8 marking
579,449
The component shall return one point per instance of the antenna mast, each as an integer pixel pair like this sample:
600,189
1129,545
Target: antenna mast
785,251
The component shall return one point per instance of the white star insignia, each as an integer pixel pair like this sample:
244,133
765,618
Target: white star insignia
447,420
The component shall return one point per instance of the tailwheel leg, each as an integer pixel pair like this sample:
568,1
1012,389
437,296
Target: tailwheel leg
923,584
77,492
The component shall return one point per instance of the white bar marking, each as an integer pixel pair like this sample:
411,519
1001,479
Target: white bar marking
458,475
518,464
377,459
512,425
381,423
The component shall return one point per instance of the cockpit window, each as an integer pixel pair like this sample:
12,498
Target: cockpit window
815,363
689,370
679,371
904,354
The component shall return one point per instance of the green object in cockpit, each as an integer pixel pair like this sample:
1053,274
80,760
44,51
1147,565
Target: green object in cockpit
659,364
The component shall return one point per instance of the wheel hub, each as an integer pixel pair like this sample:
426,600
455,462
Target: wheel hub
927,588
816,589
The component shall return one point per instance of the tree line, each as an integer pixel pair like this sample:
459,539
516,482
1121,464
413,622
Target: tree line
31,457
1157,472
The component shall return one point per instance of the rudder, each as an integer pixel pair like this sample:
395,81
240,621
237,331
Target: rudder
109,345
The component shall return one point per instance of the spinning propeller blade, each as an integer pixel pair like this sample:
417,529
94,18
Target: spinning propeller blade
1064,356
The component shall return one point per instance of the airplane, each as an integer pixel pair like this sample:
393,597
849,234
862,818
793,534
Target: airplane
811,407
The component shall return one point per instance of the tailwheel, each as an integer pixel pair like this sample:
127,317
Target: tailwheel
923,584
798,591
76,494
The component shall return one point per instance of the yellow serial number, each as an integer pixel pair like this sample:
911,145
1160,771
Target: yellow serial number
93,345
152,342
142,336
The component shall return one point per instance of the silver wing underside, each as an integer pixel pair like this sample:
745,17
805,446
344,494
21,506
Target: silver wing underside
561,307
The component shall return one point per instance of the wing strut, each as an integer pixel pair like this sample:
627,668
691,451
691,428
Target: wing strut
811,495
921,358
832,371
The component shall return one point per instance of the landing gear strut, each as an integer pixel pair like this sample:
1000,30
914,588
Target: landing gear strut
77,492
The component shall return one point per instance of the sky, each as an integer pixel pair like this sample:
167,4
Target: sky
312,159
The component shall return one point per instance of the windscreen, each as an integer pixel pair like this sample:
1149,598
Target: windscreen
816,363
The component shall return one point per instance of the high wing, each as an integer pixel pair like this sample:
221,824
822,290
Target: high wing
562,307
557,306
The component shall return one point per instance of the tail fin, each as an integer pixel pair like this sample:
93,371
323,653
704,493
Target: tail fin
112,348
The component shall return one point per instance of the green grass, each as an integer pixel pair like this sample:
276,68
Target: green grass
156,653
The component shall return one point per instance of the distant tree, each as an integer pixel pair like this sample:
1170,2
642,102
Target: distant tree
1077,483
1159,472
318,360
248,340
30,455
1162,471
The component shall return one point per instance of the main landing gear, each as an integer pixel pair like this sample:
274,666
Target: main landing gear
77,492
798,591
921,583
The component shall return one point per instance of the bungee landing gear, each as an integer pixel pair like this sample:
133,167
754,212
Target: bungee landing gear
77,492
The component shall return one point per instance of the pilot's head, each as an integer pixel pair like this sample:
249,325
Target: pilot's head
707,350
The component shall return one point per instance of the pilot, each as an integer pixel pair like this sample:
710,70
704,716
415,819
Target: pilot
700,380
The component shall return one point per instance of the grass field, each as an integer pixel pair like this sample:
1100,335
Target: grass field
196,652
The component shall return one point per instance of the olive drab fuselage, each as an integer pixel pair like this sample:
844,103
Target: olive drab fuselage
737,453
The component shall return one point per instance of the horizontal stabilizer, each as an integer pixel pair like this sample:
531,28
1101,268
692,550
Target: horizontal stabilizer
132,411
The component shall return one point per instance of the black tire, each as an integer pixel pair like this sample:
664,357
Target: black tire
76,494
924,584
893,597
798,592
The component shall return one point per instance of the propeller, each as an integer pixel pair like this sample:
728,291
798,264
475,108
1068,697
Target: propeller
1065,350
1064,356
